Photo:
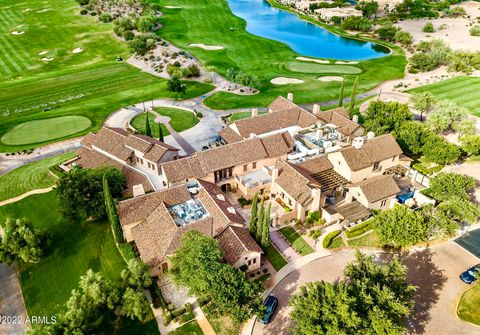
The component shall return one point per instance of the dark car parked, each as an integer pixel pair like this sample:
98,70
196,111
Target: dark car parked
271,304
471,274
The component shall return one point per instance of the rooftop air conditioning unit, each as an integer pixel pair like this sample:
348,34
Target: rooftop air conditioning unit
221,197
231,210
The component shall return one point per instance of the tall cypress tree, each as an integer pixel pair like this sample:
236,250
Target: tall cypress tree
340,97
160,132
252,227
148,130
261,214
266,228
352,96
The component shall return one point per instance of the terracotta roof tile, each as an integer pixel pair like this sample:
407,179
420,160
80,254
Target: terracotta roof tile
317,164
235,241
373,151
90,159
296,181
339,117
250,150
378,188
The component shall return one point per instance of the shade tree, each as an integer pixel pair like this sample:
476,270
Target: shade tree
198,265
81,191
384,117
372,299
21,242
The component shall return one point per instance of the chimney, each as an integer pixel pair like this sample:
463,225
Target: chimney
290,96
274,174
370,135
138,190
355,118
315,206
254,112
319,134
316,109
357,142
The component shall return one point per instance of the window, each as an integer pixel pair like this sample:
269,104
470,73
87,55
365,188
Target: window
254,165
393,158
376,166
249,262
254,260
164,267
245,168
383,203
306,213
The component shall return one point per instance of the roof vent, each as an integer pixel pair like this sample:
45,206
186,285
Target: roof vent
231,210
221,197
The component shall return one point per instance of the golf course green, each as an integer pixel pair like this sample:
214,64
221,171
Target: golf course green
72,72
211,22
45,130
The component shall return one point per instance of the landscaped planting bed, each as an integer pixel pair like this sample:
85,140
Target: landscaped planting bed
297,242
467,309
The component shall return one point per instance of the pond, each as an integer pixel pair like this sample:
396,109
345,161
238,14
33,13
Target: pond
302,37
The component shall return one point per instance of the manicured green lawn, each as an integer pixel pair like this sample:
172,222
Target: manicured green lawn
209,22
275,258
309,67
465,91
190,328
89,83
468,307
224,325
45,130
337,242
75,248
92,92
242,115
369,239
30,176
297,242
56,27
180,119
139,123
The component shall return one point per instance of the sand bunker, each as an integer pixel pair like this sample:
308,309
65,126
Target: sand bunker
305,59
285,81
45,59
206,47
43,52
340,62
173,7
77,50
330,78
18,32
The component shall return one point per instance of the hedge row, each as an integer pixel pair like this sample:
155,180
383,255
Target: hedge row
330,236
112,212
359,229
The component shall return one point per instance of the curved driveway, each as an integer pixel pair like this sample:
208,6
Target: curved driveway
434,270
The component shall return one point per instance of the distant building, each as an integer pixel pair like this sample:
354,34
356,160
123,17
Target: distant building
341,12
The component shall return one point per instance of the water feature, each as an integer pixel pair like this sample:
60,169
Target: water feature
302,37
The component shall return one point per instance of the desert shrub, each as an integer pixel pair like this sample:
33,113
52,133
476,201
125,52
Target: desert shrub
475,30
428,28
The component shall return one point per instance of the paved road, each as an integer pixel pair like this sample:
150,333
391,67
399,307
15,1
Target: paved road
11,301
435,271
